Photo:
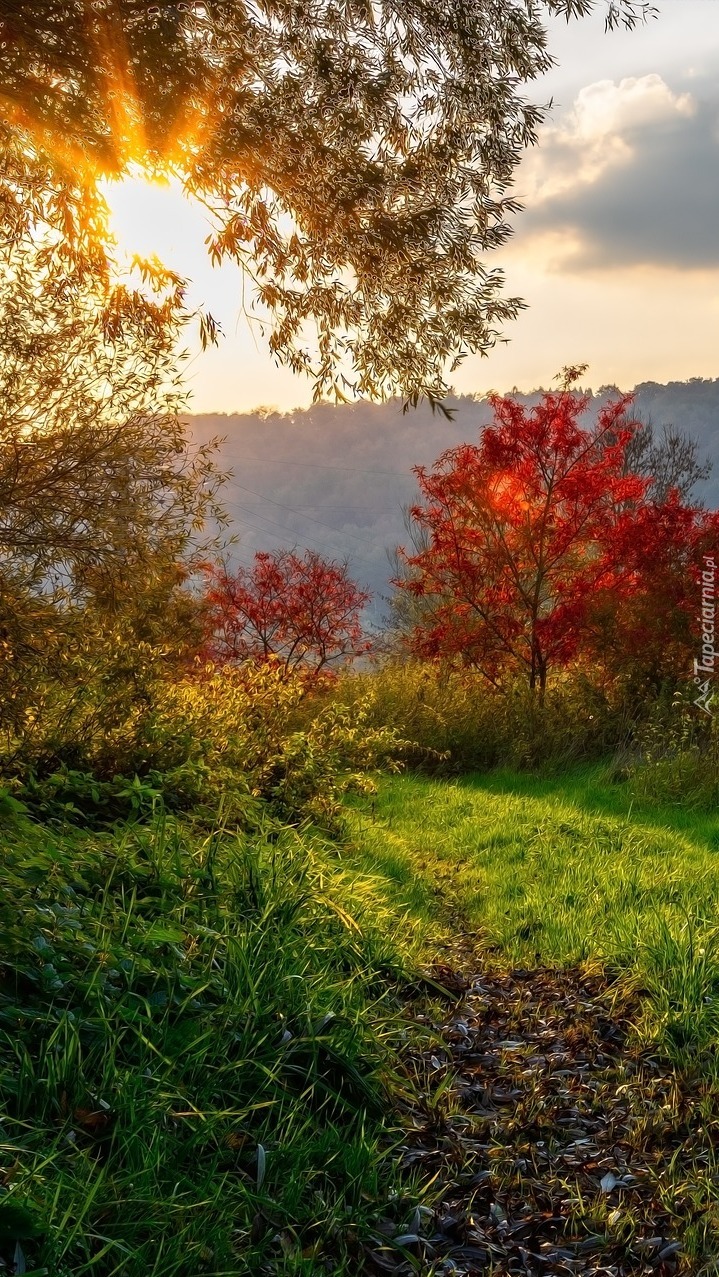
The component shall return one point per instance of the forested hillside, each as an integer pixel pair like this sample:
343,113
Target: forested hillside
337,477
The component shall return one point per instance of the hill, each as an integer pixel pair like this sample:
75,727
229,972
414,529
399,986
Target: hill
337,477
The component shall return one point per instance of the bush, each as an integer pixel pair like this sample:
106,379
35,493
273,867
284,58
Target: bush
457,722
222,744
74,796
676,755
257,733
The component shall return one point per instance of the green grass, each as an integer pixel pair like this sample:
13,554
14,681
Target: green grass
197,1031
193,1051
562,870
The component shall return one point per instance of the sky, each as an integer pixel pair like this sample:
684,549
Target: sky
616,253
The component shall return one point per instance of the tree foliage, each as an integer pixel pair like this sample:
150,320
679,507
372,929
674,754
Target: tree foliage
539,545
94,463
102,499
649,635
358,156
290,610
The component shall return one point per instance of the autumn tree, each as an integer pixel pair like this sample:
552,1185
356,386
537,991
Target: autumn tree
649,635
521,533
358,157
295,610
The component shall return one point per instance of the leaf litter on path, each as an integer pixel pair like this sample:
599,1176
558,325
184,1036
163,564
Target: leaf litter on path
554,1144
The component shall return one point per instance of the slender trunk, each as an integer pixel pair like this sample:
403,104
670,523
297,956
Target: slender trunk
542,681
537,671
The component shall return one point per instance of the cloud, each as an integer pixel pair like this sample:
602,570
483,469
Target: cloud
629,177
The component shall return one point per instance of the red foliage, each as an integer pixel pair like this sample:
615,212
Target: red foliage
653,635
537,535
298,611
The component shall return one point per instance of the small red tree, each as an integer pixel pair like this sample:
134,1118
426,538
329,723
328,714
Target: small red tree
521,532
301,611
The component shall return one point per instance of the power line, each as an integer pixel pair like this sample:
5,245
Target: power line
289,532
320,505
291,510
311,465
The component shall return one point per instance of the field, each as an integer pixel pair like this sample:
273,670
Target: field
566,871
274,1052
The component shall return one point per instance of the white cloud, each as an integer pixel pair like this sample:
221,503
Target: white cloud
628,177
602,131
605,107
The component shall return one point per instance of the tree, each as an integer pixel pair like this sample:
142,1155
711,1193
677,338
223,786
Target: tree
669,461
95,468
295,611
651,635
358,157
523,532
409,612
102,499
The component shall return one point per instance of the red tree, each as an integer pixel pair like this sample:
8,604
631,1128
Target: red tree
299,611
520,534
654,635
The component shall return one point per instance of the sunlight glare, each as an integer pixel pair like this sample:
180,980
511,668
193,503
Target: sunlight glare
155,218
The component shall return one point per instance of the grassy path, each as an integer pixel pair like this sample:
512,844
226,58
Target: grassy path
216,1056
562,872
569,1105
552,1142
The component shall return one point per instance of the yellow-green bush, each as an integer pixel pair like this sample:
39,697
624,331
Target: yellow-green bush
457,721
220,742
263,733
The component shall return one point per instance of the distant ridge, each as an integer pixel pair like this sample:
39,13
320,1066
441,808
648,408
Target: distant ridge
336,477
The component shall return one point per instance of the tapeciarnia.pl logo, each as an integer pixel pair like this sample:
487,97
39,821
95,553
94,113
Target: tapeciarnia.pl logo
704,668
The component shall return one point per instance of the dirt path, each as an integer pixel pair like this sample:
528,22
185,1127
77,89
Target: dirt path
556,1145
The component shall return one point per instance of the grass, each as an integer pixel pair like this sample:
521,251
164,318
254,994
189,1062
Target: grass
198,1030
193,1052
562,871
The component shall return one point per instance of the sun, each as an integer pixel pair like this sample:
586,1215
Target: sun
153,217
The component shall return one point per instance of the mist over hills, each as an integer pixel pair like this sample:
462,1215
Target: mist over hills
337,477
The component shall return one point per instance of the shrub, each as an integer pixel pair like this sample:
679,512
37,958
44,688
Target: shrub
260,733
223,743
77,796
456,722
676,755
